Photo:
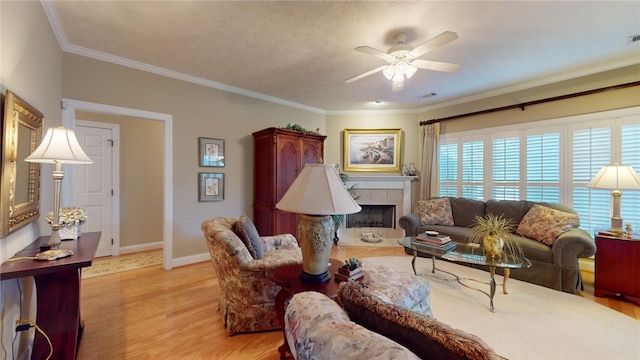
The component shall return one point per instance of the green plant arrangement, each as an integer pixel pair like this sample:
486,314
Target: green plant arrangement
351,264
296,127
338,220
494,233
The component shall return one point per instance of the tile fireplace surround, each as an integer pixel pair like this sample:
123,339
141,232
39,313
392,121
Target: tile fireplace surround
380,190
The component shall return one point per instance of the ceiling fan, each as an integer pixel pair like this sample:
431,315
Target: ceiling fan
402,59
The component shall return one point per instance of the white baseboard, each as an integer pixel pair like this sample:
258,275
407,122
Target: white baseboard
191,259
141,247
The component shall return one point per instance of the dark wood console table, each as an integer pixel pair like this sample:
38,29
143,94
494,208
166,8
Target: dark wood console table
58,293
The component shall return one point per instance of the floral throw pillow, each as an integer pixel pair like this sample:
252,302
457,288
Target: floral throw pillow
435,212
546,224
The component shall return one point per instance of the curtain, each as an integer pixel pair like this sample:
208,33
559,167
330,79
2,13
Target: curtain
429,165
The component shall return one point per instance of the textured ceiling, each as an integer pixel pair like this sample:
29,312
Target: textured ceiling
302,52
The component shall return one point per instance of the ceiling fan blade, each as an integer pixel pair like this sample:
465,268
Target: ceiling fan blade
444,38
375,52
370,72
435,65
397,85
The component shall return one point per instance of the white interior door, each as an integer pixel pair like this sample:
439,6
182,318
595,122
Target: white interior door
94,184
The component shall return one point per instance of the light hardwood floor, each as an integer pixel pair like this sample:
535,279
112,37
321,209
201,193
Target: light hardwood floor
151,313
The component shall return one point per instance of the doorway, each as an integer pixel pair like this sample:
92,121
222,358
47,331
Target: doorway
70,107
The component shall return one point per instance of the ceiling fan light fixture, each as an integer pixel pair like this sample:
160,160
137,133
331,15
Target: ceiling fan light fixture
398,77
410,71
389,72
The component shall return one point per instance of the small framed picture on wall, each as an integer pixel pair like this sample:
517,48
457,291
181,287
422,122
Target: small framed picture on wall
210,186
211,152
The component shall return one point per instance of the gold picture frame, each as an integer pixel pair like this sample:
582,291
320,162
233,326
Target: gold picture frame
372,150
20,180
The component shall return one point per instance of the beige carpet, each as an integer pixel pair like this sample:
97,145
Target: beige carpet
115,264
531,322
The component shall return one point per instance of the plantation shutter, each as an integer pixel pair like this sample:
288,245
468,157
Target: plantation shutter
630,155
591,151
448,170
473,170
543,167
505,168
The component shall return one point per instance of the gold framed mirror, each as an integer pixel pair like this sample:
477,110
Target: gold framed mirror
20,180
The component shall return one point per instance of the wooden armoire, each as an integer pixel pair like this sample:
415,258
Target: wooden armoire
279,156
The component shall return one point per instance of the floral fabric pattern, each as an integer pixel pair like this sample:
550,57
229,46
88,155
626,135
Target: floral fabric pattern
248,296
435,212
546,224
397,287
421,334
318,328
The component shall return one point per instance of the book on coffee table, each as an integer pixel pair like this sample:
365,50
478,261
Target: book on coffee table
433,239
439,249
342,277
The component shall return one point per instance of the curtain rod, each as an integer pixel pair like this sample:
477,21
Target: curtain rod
522,106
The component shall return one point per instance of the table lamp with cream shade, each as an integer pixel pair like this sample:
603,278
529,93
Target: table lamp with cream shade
615,178
317,193
59,146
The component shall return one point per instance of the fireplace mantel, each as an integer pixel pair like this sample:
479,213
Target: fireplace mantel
381,182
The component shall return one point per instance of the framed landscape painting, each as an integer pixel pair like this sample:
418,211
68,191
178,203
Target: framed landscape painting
372,149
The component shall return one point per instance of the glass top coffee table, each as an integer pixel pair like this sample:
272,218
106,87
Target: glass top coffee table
467,254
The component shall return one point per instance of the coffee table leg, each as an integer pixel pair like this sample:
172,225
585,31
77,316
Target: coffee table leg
507,273
492,285
433,264
413,262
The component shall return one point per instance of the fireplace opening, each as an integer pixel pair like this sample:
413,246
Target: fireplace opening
383,216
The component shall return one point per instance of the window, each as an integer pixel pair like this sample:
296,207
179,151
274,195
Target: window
505,168
548,161
543,167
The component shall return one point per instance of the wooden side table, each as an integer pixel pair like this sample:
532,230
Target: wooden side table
288,277
616,266
58,293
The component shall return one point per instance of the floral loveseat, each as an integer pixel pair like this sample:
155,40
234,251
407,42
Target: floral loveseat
548,234
244,263
385,319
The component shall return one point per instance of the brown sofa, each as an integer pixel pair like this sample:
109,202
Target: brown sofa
553,266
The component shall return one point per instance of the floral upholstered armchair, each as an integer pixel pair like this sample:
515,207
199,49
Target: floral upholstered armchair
244,263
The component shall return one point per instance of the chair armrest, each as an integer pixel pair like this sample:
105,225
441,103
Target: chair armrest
410,224
281,241
572,245
274,260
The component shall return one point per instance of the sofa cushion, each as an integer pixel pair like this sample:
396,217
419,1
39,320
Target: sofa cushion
426,337
510,209
435,212
247,232
465,210
317,327
546,224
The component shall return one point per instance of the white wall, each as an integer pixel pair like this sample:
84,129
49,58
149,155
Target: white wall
31,67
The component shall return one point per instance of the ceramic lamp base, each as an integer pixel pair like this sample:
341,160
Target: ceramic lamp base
315,279
315,241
